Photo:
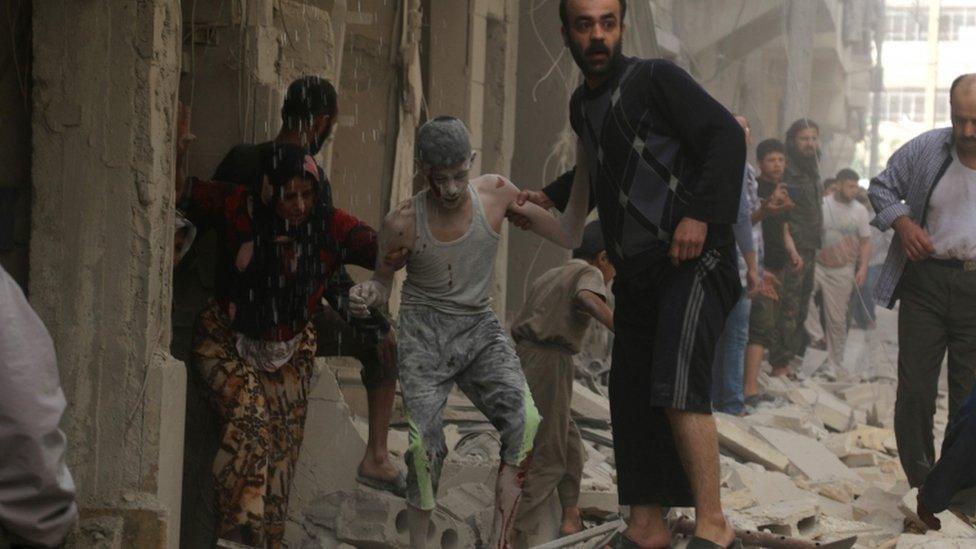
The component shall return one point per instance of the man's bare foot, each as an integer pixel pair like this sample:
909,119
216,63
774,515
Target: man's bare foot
379,469
572,522
716,531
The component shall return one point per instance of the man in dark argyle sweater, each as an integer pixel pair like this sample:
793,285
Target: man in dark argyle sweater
666,164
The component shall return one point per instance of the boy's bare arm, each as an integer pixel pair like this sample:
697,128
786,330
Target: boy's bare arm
594,305
396,234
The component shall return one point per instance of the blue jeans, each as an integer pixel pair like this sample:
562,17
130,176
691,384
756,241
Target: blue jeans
730,356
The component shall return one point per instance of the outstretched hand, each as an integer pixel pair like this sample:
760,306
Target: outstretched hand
538,198
365,295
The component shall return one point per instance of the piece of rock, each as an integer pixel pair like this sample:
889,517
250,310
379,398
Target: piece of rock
740,442
793,518
928,541
472,504
588,407
811,457
835,414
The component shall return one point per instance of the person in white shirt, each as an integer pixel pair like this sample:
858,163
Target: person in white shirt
37,493
842,264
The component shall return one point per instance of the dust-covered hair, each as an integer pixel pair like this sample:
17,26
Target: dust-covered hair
442,142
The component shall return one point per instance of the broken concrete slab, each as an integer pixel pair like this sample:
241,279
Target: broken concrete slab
811,457
793,518
472,504
766,487
598,504
734,438
93,533
952,526
931,541
792,418
589,408
458,471
813,360
835,414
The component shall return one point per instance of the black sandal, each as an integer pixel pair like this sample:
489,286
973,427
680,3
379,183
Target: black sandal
702,543
621,541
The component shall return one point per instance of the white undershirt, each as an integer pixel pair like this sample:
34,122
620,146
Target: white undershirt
951,218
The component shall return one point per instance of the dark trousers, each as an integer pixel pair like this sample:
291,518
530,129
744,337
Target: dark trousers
668,321
793,304
937,314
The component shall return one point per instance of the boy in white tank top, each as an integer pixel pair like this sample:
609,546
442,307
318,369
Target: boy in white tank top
448,332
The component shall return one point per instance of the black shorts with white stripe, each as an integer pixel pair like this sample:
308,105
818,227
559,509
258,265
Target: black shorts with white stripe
668,321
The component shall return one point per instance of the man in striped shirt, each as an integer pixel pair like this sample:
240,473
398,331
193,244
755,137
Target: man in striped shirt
928,195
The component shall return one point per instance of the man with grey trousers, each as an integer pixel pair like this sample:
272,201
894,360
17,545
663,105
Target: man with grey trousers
928,195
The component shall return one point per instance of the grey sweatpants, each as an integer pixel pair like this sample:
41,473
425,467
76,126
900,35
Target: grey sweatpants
435,350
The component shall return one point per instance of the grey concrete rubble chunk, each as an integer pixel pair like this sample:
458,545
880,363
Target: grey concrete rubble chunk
809,456
737,440
589,407
96,533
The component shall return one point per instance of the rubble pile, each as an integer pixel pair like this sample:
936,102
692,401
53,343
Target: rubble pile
819,464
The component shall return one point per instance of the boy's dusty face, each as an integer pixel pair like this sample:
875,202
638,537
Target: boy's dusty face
449,185
772,166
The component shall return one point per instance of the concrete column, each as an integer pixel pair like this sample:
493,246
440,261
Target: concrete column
801,18
105,84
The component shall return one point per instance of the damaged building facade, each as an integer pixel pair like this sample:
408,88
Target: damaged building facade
88,112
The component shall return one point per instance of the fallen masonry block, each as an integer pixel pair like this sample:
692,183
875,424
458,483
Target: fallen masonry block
859,395
811,457
472,504
836,509
952,526
744,444
866,458
835,414
737,500
868,535
766,487
791,418
367,518
930,541
459,471
813,360
794,518
590,408
802,396
598,504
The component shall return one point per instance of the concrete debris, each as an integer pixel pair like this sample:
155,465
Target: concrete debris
819,464
914,541
738,441
590,408
810,457
952,526
94,533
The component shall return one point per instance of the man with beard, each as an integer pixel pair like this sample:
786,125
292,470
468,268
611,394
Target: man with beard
842,265
802,179
308,115
666,162
928,195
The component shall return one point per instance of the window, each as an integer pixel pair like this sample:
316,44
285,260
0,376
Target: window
952,20
911,24
907,24
908,105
